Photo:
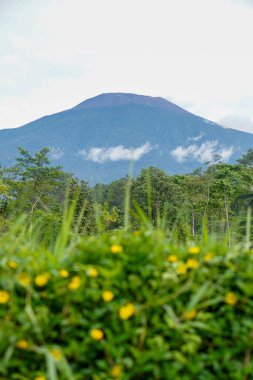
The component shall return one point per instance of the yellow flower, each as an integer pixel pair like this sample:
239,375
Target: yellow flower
92,272
189,315
74,283
56,354
97,334
192,263
12,264
22,344
4,296
24,279
107,296
127,311
208,256
231,298
64,273
42,279
194,250
40,378
136,233
116,248
172,258
116,371
182,269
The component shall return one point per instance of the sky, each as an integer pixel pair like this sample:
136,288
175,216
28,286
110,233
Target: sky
196,53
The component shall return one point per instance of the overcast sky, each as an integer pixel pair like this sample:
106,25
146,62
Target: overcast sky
197,53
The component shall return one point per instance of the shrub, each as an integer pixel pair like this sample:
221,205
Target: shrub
127,306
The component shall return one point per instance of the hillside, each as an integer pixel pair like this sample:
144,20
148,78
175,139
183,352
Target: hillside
98,138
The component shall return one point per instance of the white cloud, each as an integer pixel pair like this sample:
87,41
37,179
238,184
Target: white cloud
202,153
55,153
116,153
226,153
196,138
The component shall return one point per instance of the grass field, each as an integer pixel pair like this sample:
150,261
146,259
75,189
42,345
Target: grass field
124,305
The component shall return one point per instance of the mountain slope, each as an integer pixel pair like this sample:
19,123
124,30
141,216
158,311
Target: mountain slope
97,139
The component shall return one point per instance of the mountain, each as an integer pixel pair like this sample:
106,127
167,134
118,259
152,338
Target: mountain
97,139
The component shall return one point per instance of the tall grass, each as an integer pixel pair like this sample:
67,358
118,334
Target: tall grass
170,303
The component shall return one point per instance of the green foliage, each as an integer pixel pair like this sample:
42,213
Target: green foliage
155,192
4,200
34,187
170,311
181,204
106,219
34,183
84,215
247,158
112,196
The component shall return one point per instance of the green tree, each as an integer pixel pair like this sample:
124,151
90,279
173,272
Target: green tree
112,197
34,183
225,183
84,215
39,190
157,195
194,199
246,159
4,202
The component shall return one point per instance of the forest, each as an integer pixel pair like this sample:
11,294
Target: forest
217,199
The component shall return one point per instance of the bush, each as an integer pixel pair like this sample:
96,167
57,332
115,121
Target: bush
128,306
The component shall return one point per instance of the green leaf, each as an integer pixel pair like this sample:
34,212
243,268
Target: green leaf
198,296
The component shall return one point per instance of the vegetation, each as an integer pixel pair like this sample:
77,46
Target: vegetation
124,306
144,278
218,198
39,190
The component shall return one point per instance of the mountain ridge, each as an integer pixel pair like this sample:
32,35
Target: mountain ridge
97,138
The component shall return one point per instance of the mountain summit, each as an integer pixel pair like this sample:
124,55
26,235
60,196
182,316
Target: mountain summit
97,139
122,99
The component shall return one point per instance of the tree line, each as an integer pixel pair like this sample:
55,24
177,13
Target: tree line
216,199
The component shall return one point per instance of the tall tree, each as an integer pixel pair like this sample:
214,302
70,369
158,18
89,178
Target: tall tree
34,182
84,215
